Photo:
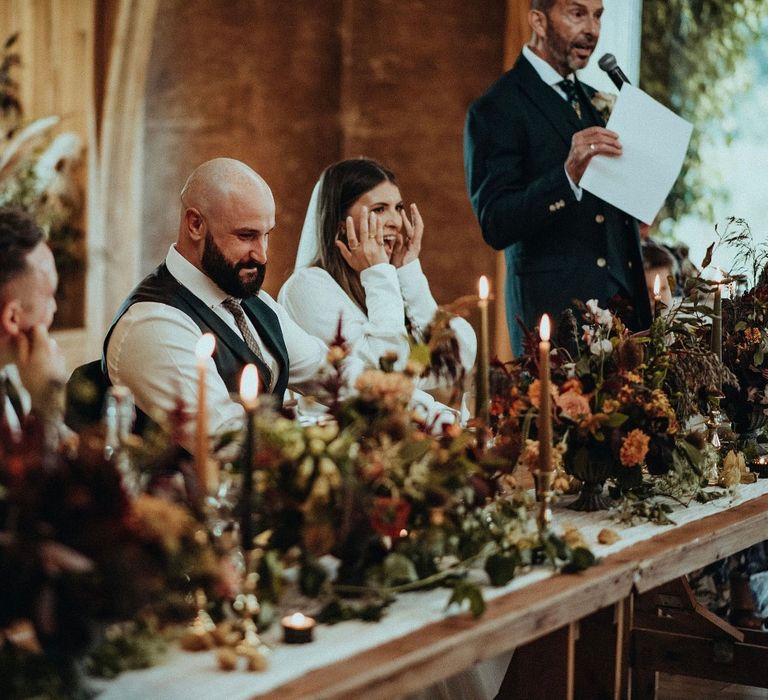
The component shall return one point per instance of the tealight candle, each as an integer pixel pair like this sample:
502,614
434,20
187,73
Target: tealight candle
482,391
297,628
203,352
249,395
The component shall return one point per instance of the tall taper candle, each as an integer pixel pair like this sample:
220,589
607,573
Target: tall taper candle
656,294
545,400
717,320
249,391
482,392
203,352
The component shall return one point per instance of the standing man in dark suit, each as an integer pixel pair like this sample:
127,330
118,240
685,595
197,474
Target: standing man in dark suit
527,143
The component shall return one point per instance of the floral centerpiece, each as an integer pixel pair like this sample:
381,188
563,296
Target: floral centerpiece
399,505
618,401
745,334
78,552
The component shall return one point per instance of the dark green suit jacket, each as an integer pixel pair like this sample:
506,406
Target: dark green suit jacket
516,140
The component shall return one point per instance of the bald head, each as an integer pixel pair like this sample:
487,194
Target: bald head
221,182
227,212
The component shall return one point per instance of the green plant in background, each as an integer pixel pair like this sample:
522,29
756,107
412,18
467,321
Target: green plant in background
692,60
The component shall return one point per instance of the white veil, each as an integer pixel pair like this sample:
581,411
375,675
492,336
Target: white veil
309,242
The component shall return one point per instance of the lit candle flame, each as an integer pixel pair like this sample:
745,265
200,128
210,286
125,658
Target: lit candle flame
298,619
483,287
204,348
657,286
403,533
249,385
544,329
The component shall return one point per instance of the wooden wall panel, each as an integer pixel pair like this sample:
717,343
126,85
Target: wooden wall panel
410,72
290,88
257,81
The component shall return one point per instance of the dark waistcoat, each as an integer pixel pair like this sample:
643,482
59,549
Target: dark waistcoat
231,353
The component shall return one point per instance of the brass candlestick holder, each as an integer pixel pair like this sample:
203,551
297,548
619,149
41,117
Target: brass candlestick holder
544,481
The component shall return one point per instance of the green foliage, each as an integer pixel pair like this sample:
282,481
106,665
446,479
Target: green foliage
466,592
127,646
692,51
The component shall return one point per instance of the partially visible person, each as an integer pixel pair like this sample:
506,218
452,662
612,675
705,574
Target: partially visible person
30,361
527,143
210,282
659,261
358,262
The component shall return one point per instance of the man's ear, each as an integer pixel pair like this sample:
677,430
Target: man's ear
195,224
538,22
10,318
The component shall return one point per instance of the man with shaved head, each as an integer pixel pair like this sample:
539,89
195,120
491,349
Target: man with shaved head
211,282
30,361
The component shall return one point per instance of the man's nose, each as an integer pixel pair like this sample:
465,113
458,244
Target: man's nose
259,250
593,26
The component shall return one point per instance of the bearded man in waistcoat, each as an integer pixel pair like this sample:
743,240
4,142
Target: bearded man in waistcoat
527,142
210,282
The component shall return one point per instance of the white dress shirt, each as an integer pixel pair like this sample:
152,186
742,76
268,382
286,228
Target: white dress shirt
316,302
152,352
552,78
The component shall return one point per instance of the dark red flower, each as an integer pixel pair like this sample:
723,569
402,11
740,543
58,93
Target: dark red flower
390,515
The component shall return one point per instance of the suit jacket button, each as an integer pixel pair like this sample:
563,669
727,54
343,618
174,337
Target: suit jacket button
552,207
629,264
599,219
602,262
561,203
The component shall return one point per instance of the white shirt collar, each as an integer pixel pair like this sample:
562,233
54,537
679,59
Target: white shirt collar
546,72
202,286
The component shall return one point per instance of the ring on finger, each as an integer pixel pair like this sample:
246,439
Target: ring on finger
591,146
354,247
372,236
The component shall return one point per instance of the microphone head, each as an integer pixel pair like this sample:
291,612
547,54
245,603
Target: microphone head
607,62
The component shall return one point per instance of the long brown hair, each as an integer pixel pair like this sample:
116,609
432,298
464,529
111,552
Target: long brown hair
343,184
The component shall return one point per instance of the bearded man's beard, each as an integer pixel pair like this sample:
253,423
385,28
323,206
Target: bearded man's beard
227,275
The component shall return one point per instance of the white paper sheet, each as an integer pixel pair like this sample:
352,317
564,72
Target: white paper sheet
654,141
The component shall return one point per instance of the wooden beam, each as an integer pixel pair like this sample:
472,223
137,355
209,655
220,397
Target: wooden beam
701,657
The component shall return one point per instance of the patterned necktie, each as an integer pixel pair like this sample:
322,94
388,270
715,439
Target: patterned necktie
572,95
233,306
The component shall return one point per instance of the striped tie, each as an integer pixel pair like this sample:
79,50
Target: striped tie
233,306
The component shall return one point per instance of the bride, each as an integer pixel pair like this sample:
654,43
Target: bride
358,260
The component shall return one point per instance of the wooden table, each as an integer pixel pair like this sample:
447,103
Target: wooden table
577,620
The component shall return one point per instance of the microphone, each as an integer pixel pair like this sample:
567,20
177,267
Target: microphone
609,65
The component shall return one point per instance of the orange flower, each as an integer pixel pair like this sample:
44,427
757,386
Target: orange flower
634,448
534,392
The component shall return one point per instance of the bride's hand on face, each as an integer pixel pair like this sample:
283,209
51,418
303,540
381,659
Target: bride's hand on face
408,245
365,246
